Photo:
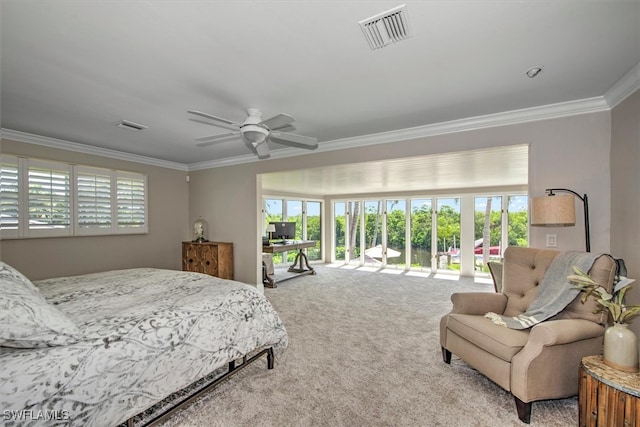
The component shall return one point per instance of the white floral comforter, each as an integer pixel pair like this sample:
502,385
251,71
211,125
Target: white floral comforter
145,334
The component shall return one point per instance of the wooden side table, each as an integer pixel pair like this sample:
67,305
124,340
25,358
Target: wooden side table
214,258
608,397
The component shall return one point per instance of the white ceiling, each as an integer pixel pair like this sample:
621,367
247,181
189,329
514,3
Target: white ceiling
490,168
72,69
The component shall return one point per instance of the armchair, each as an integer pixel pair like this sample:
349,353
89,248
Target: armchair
532,364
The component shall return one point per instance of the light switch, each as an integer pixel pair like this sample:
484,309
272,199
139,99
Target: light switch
552,240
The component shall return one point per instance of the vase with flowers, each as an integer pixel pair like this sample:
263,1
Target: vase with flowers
620,342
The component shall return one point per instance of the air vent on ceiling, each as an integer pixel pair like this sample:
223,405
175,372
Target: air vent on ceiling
387,27
126,124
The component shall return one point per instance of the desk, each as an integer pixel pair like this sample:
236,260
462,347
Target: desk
608,397
301,257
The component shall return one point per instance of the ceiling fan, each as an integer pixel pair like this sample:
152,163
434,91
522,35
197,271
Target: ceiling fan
255,132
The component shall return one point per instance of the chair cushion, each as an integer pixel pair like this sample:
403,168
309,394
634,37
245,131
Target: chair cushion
523,270
495,339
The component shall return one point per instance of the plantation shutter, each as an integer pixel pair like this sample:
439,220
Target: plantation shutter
94,212
131,201
9,196
49,197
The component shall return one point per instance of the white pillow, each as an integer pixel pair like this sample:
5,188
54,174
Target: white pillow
27,320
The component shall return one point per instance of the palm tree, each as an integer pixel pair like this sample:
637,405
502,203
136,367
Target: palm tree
354,209
486,232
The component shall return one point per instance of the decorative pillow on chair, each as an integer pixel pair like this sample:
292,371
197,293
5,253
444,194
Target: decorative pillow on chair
27,320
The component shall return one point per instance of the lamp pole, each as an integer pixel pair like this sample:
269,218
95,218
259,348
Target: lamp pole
585,203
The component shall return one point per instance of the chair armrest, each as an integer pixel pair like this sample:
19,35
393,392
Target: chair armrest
478,303
547,366
564,331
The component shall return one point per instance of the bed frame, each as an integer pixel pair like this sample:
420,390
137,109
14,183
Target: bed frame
182,403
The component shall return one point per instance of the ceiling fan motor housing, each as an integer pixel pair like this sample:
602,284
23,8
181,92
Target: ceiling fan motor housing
251,130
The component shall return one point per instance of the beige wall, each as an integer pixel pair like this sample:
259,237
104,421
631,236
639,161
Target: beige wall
570,152
168,226
625,183
625,191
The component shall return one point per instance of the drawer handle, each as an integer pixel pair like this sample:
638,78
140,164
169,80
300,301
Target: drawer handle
208,262
190,260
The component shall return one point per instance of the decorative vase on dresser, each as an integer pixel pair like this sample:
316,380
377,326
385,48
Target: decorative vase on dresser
621,348
214,258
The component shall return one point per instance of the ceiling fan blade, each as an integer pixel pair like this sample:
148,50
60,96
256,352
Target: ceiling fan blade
279,121
214,139
262,149
214,118
219,136
286,128
304,141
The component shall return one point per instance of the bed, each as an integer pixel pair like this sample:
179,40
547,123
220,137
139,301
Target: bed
98,349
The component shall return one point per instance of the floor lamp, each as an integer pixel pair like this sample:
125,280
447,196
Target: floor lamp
559,211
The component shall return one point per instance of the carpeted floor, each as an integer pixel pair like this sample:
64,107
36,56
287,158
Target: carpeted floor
364,351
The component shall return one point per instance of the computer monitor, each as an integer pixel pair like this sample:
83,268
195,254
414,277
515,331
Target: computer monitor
284,230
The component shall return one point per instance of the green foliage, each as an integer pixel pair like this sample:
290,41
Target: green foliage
614,303
448,226
448,223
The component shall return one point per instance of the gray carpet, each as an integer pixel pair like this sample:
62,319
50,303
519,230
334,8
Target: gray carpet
364,351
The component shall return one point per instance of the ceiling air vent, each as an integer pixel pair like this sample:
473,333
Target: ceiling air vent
387,27
126,124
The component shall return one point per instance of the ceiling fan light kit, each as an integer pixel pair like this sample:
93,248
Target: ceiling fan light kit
255,131
254,134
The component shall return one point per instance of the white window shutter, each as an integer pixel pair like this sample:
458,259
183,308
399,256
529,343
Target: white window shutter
9,196
94,200
49,198
131,202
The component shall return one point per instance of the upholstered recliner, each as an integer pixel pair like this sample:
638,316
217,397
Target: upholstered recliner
536,363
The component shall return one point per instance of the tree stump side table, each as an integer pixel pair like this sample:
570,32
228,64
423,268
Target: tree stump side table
608,397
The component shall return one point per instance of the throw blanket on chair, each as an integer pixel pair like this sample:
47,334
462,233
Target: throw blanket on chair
554,294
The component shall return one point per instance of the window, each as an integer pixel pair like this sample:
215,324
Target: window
308,218
44,199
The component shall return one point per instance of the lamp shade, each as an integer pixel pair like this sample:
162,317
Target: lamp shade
553,211
271,228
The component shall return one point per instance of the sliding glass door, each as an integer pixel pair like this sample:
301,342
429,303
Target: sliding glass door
425,233
488,231
396,230
373,221
421,233
448,234
340,231
313,227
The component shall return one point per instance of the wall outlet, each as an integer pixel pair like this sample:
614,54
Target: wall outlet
552,240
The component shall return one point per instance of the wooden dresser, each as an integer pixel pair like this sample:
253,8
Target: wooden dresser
608,397
214,258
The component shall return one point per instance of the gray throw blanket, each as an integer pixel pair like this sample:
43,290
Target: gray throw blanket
554,294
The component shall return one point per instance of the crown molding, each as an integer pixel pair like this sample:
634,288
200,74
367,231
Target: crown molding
87,149
624,87
552,111
545,112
